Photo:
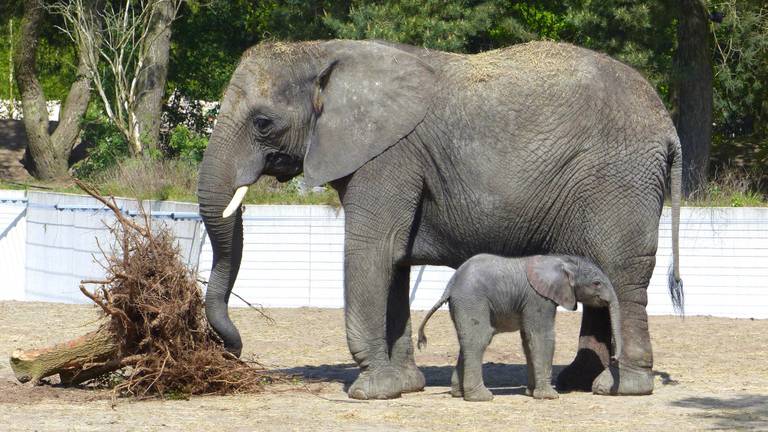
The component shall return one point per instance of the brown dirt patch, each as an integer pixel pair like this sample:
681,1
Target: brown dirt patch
13,141
711,373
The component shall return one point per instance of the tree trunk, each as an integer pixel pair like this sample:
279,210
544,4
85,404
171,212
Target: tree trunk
693,92
152,83
49,152
69,359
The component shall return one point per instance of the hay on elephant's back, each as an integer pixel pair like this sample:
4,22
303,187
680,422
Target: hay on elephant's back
155,306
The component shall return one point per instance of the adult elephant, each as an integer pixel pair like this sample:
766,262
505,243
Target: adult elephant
534,149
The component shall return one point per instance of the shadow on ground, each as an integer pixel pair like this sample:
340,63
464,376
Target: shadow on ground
746,412
501,379
666,378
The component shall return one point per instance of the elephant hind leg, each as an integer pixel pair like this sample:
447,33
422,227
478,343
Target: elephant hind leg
474,331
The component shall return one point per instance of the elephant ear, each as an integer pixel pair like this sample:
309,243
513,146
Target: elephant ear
367,97
552,278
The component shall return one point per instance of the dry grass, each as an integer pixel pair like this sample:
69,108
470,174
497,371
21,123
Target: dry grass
164,179
176,180
729,187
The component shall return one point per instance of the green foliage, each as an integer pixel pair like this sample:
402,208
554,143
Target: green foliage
107,145
208,38
741,86
188,145
56,55
741,67
206,43
269,191
444,25
642,34
525,21
5,51
731,187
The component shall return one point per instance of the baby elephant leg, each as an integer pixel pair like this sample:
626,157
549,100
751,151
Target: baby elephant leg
456,390
539,346
474,331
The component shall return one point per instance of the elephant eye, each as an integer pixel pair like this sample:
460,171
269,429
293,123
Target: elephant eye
597,284
262,124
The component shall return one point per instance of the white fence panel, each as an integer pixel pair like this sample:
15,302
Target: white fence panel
293,255
13,228
723,262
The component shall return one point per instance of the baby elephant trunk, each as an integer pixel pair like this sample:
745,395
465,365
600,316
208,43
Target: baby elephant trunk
613,310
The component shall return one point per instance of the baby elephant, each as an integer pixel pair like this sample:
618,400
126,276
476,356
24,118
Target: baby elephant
489,294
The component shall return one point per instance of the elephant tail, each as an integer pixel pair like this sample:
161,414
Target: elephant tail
446,295
674,280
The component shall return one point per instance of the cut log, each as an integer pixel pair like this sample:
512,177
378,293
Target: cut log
77,360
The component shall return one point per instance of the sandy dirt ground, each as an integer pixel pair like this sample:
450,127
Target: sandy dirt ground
710,373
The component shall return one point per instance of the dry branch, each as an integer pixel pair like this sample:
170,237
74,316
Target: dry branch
154,325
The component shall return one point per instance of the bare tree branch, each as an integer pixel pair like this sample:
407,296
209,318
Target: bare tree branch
121,39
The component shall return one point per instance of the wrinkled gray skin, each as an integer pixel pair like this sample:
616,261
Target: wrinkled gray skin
489,294
540,148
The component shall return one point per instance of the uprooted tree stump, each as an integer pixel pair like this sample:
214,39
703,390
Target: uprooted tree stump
154,327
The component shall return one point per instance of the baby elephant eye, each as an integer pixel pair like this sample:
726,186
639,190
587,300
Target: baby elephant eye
597,284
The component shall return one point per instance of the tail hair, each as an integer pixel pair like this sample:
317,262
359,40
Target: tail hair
675,187
676,291
422,343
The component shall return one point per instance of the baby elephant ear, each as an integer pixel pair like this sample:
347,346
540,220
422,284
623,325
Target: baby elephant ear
552,278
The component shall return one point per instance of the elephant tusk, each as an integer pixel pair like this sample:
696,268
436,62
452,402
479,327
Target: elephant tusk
237,199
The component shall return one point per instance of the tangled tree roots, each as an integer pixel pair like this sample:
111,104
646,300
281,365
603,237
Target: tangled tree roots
155,331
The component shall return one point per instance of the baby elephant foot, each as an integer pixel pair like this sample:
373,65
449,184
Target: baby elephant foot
456,390
412,379
623,380
382,383
544,392
478,394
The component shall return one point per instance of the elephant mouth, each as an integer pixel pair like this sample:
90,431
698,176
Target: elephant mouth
283,166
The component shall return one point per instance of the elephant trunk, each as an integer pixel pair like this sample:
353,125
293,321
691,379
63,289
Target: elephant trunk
615,316
222,171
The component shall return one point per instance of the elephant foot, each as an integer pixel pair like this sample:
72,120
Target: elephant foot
579,375
382,383
478,394
542,393
412,379
624,380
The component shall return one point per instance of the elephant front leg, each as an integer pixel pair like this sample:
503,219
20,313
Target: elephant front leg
633,375
380,203
539,346
365,300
